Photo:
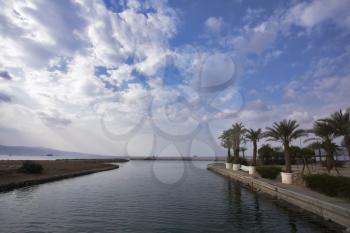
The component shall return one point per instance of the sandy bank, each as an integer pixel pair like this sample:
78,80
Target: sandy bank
54,170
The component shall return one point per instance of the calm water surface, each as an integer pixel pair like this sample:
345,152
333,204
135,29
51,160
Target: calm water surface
153,196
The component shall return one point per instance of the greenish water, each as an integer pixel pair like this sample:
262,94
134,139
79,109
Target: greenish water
149,196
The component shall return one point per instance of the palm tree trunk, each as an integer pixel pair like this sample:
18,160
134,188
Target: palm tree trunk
287,158
236,155
254,152
228,154
329,158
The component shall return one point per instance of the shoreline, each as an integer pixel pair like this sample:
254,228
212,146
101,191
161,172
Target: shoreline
54,170
334,209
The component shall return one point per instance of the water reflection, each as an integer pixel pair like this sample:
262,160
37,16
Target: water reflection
292,223
132,199
25,192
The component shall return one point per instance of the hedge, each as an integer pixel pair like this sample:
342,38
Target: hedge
334,186
270,172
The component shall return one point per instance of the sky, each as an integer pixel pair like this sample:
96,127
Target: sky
163,78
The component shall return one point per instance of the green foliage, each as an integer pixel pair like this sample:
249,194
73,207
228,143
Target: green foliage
284,131
31,167
226,142
334,186
269,156
270,172
340,122
325,133
226,138
307,152
265,150
238,132
295,151
254,135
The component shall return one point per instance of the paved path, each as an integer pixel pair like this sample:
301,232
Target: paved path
335,209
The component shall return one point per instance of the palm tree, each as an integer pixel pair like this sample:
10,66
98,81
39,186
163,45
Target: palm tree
243,149
226,142
285,131
238,132
317,145
340,122
324,132
254,136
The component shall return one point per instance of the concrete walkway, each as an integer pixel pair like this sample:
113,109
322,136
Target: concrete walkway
335,209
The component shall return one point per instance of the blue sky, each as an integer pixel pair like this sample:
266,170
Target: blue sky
116,77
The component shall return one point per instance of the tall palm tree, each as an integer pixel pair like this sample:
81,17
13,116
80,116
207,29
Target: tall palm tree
325,133
243,149
285,131
226,142
340,122
238,132
254,136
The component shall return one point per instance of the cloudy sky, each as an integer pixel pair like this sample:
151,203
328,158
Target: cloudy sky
165,77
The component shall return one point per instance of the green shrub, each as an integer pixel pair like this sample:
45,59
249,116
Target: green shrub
270,156
334,186
270,172
31,167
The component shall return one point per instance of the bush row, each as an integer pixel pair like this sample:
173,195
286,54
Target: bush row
334,186
270,172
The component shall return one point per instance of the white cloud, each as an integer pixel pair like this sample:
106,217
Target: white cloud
272,55
258,36
256,39
310,14
49,53
302,117
214,23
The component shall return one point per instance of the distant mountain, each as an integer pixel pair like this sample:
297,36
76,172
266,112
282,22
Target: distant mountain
41,151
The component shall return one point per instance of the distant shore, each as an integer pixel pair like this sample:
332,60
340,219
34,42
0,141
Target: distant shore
179,158
54,170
